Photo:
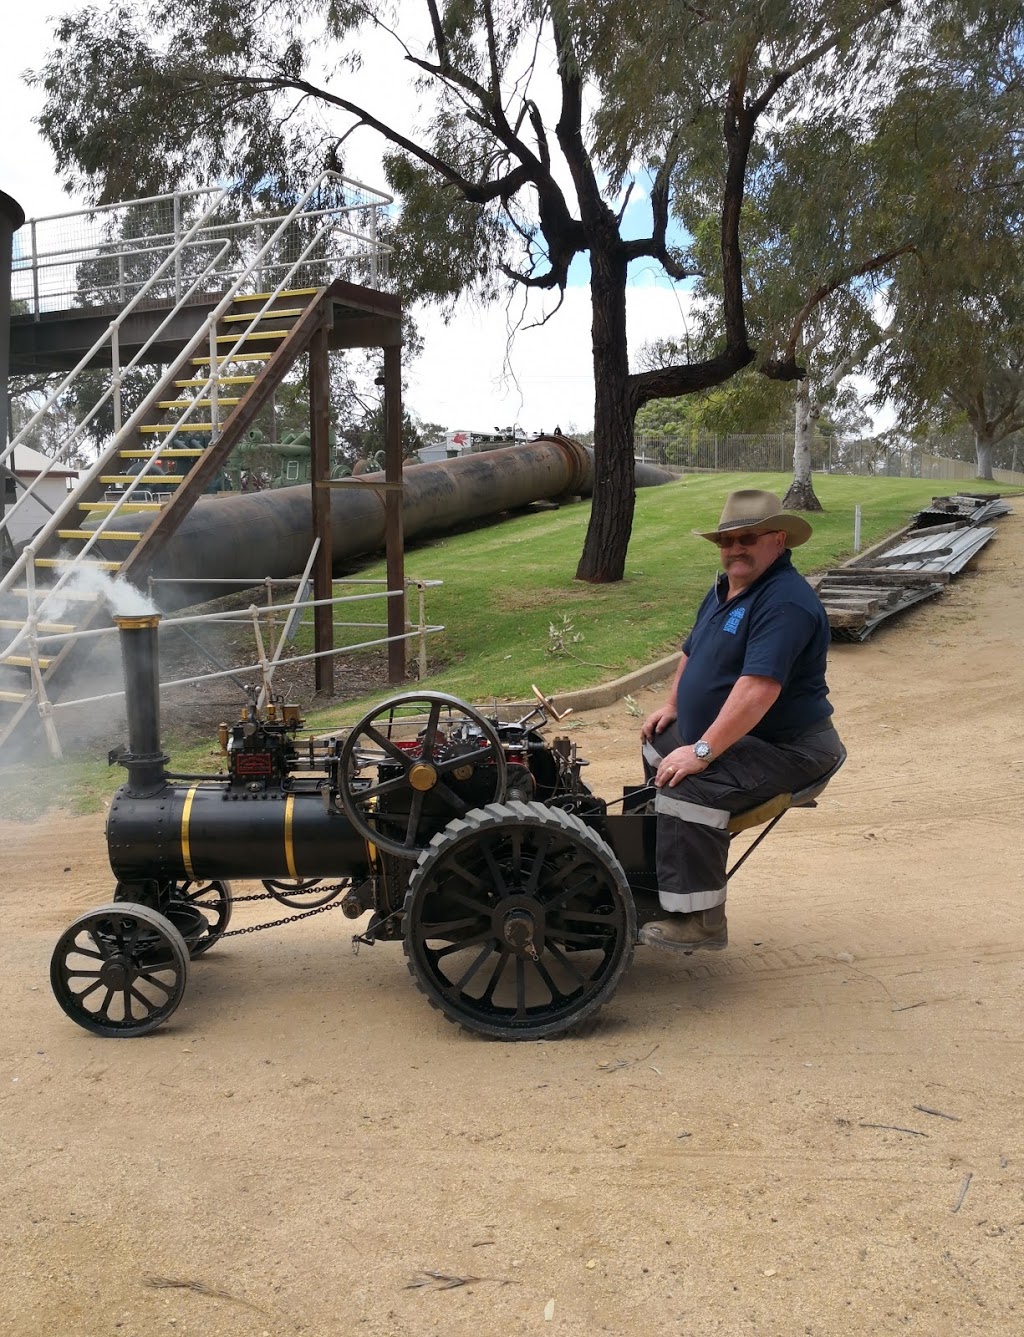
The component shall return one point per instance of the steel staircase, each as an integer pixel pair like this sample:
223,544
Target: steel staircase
252,346
170,450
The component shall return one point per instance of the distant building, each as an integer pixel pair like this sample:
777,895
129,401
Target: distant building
463,442
27,464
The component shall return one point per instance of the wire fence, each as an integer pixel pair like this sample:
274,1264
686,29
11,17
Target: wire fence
832,453
102,257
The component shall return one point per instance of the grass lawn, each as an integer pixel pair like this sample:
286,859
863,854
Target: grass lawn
506,584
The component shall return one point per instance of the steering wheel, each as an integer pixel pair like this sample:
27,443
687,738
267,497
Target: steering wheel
431,758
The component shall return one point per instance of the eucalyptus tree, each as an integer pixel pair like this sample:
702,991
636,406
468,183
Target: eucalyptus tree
537,128
956,334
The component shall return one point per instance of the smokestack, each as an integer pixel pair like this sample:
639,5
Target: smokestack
141,665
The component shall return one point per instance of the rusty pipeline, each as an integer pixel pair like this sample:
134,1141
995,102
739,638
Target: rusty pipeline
268,533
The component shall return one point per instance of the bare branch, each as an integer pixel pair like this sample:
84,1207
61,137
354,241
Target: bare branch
819,295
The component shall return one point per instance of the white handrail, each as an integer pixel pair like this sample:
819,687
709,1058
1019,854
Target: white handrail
149,402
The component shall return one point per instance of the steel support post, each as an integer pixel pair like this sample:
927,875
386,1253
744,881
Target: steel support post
394,539
320,471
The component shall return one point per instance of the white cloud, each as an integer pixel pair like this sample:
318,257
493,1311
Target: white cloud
467,377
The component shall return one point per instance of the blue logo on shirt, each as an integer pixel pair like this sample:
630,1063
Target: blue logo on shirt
732,622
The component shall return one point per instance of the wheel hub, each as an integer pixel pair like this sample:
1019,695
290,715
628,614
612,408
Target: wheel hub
422,776
519,925
117,972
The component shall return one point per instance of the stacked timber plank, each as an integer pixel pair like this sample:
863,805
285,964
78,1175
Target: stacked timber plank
914,565
856,599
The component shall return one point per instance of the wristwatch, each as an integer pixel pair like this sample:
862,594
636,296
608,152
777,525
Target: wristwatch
702,750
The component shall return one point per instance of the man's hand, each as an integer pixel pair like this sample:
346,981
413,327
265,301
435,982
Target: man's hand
658,721
677,766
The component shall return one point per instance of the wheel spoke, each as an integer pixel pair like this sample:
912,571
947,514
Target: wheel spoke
105,953
591,917
159,984
564,961
105,1005
452,865
82,974
399,783
492,983
129,941
568,892
463,943
498,883
449,796
544,973
386,745
520,987
147,1003
540,850
467,901
430,732
86,992
477,963
415,808
567,935
450,926
84,951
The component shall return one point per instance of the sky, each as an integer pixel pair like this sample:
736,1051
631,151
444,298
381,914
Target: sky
470,375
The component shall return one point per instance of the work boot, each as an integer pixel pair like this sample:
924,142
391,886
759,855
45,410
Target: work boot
703,931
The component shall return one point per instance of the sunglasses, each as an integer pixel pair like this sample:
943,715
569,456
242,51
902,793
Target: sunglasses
744,540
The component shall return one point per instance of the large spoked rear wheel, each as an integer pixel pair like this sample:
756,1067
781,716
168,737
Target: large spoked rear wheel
519,921
120,970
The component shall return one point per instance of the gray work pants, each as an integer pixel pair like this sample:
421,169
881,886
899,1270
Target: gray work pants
693,843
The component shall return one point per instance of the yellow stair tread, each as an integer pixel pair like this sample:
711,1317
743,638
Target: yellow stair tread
196,403
24,661
168,453
44,628
88,562
265,315
156,427
128,508
221,380
255,334
266,296
118,535
233,357
162,479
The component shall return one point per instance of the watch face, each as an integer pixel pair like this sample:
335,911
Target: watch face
701,751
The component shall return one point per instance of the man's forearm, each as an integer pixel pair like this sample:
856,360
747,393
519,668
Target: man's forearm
746,705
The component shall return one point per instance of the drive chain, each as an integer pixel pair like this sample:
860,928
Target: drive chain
273,923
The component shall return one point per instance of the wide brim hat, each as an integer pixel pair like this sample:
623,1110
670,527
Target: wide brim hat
759,512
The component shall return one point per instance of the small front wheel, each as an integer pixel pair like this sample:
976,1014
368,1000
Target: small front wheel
120,970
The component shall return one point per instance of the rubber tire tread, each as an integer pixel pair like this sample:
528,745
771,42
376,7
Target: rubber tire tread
495,816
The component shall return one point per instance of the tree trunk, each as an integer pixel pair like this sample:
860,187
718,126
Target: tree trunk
983,455
611,518
800,496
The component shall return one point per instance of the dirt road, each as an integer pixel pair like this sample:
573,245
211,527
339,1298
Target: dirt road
776,1140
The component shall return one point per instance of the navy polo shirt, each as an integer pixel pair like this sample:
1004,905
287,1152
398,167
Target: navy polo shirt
777,629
